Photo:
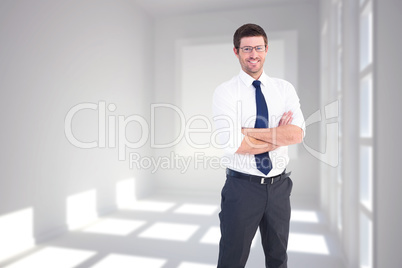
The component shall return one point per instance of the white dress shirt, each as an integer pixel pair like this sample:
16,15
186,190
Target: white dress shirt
234,107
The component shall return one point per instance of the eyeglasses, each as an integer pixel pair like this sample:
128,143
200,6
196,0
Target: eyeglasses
249,49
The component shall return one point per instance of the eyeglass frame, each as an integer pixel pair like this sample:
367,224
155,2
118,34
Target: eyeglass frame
253,48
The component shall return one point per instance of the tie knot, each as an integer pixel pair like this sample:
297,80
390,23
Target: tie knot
256,83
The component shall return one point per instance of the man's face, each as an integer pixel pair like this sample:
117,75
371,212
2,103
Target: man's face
252,63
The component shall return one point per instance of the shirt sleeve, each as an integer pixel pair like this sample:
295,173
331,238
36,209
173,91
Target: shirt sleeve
293,104
227,134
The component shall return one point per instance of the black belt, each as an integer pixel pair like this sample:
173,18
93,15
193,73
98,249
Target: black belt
257,179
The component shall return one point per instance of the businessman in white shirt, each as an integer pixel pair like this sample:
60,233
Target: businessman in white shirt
257,189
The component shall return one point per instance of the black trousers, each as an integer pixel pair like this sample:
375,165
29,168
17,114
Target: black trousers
247,205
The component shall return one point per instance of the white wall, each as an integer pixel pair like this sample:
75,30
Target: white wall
218,26
53,56
387,98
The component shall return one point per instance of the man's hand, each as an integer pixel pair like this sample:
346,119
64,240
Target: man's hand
286,119
253,146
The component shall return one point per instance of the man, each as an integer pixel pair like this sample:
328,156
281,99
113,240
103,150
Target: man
257,189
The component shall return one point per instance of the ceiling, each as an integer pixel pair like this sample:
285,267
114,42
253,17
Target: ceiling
164,8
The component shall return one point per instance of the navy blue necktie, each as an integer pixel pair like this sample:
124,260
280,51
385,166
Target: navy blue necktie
263,161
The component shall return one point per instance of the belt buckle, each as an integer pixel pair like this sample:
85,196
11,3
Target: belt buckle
263,181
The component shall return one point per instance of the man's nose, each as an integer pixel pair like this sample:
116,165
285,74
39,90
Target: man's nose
253,53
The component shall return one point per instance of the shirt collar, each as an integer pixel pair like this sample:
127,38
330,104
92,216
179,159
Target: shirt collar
248,80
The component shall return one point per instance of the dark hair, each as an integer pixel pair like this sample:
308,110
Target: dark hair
248,30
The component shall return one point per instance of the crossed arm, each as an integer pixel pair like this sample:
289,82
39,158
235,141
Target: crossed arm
261,140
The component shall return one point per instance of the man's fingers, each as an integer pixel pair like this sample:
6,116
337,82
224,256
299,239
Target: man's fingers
289,119
281,122
286,118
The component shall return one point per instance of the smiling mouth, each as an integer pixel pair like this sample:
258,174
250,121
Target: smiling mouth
253,61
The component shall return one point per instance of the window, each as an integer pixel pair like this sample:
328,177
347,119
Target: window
366,134
366,36
366,176
339,87
366,241
366,107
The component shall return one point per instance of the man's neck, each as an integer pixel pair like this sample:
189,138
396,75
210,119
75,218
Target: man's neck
256,76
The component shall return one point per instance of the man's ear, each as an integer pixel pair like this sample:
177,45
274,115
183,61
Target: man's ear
236,52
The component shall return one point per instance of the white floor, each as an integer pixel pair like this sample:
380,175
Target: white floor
172,231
